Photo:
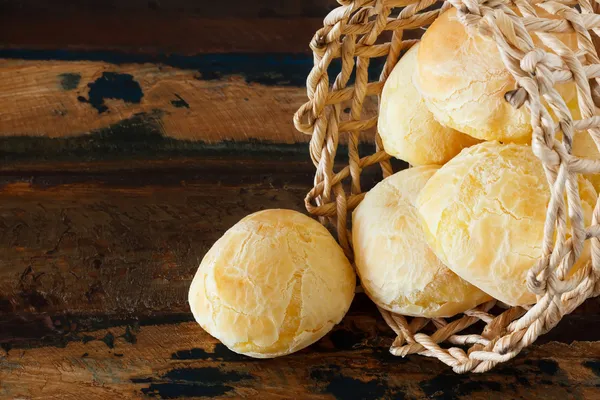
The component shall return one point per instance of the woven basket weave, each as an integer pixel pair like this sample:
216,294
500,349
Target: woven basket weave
358,31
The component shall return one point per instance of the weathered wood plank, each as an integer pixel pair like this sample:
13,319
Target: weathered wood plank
29,329
231,8
157,32
183,27
131,241
209,99
58,99
173,361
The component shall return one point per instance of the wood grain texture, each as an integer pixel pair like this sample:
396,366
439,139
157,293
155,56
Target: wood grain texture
209,99
183,27
38,99
125,237
130,241
182,361
231,8
157,32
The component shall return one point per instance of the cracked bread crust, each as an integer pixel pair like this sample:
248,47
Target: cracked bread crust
273,284
397,268
463,80
407,127
484,214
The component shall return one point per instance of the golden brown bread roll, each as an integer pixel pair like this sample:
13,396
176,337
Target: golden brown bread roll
398,270
273,284
407,128
484,214
463,80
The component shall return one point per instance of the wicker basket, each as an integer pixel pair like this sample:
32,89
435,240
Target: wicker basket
361,30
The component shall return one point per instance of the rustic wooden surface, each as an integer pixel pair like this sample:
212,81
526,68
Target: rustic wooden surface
132,135
94,278
62,98
166,359
209,98
198,71
151,32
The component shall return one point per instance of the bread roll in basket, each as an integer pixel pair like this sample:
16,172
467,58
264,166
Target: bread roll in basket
341,111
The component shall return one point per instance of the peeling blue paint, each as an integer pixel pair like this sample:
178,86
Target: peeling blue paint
288,69
112,85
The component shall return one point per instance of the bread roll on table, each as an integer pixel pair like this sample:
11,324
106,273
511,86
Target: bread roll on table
274,283
398,270
484,214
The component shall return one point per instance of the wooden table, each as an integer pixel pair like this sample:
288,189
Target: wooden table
133,134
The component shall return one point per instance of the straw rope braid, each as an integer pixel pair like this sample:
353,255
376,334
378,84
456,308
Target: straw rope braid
350,31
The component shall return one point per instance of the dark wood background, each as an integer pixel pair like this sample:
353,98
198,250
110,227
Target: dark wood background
133,134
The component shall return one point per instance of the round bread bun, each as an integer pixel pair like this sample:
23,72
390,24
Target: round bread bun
273,284
397,268
484,214
407,127
463,81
